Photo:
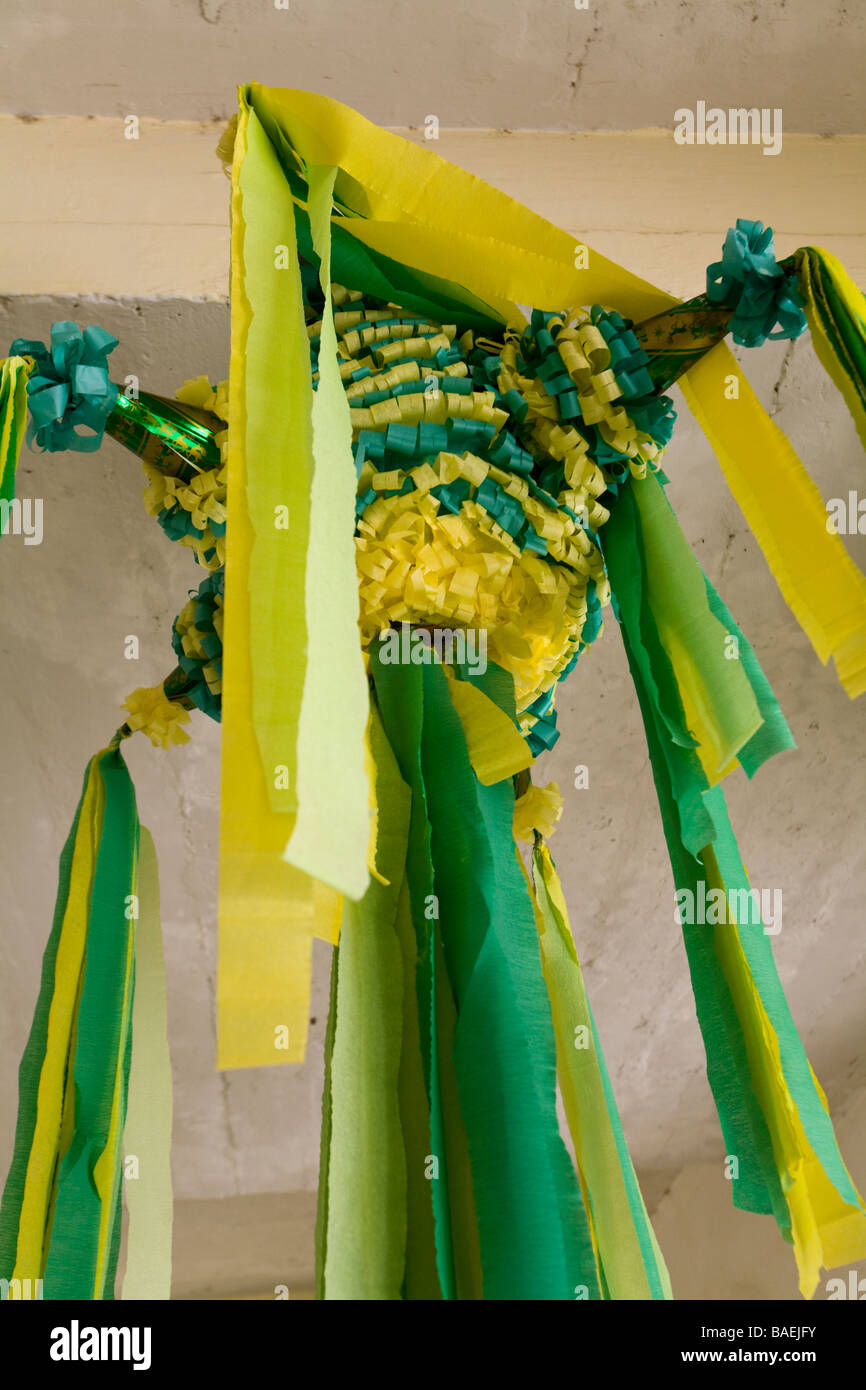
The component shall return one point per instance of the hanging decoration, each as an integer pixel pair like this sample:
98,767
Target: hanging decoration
410,505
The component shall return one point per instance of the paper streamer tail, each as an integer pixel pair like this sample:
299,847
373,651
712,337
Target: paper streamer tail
61,1202
515,1218
147,1134
294,699
631,1263
818,580
781,1152
445,1175
836,312
14,372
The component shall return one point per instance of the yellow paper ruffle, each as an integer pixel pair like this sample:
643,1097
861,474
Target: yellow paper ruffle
152,713
538,809
418,564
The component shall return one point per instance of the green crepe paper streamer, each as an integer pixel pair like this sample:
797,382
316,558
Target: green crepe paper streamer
757,1187
421,1278
498,685
688,827
774,735
117,1219
465,1239
851,331
817,1125
13,421
846,335
630,1257
653,672
365,1249
329,840
677,595
147,1134
101,1038
839,338
399,693
279,398
357,266
321,1239
534,1236
30,1068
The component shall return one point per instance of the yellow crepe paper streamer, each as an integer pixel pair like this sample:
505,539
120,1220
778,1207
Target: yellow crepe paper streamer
331,835
47,1148
826,1231
268,911
495,747
425,212
147,1133
820,583
270,375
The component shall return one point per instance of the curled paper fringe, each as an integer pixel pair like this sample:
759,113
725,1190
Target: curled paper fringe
197,639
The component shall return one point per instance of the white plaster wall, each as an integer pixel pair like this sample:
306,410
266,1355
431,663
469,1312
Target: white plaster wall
515,64
88,211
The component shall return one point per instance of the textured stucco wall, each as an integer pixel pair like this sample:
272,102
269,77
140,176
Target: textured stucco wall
88,211
517,64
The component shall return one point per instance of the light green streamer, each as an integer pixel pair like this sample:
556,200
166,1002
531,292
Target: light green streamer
365,1237
632,1262
147,1135
331,836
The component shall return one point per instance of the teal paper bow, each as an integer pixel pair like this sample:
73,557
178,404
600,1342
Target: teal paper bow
69,390
749,279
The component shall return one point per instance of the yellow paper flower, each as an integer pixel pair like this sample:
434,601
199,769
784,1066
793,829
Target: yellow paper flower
152,713
539,808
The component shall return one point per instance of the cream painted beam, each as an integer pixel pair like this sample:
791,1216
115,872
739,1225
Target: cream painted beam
87,210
